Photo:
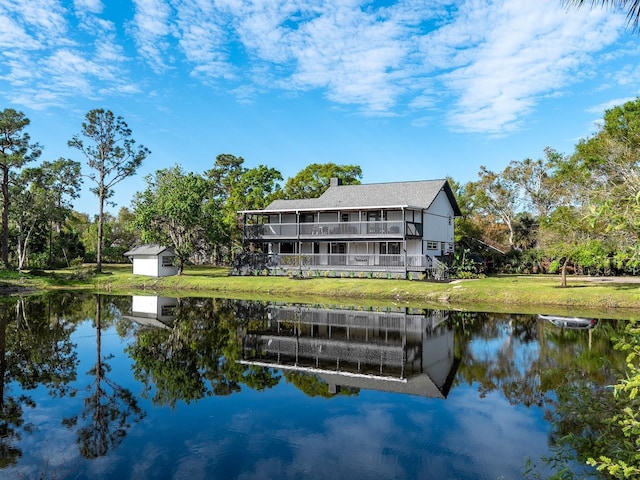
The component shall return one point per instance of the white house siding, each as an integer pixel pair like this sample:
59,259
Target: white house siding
437,354
151,266
438,222
168,270
414,247
146,265
145,304
153,307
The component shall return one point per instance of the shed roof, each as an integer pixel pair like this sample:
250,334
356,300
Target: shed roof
148,249
414,194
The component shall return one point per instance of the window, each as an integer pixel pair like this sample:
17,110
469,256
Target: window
339,248
432,245
338,256
344,217
391,248
287,247
376,215
413,216
167,261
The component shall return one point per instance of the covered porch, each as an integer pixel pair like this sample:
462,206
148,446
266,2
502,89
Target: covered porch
355,265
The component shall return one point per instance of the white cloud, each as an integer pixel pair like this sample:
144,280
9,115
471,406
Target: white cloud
46,17
151,27
32,24
203,39
483,65
13,35
355,56
510,54
90,6
47,62
601,108
628,75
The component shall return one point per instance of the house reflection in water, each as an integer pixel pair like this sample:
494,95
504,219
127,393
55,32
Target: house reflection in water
152,310
404,350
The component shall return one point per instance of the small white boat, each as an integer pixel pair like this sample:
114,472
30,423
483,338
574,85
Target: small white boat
570,322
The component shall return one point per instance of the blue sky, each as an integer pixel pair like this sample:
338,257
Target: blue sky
408,90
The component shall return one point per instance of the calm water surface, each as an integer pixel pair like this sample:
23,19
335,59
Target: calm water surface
104,387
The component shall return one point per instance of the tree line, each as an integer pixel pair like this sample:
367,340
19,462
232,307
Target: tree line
195,213
560,212
578,212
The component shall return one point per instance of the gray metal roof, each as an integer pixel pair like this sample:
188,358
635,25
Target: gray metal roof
148,249
415,194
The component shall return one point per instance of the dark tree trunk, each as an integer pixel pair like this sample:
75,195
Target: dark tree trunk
5,216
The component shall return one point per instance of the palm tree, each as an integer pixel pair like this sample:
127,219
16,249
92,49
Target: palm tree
632,7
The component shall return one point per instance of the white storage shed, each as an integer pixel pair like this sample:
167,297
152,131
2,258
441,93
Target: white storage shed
153,260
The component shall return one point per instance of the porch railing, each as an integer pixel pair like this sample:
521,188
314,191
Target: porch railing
248,263
351,261
327,230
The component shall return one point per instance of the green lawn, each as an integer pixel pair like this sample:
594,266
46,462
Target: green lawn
610,298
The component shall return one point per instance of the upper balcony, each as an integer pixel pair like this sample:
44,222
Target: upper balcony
318,231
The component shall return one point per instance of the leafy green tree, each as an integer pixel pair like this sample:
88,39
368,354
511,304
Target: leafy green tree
15,151
606,168
42,198
564,233
63,180
622,459
124,235
225,174
71,244
256,188
30,200
176,209
536,181
498,196
468,230
313,180
88,232
112,156
235,187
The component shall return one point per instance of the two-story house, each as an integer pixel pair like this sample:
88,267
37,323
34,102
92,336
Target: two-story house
390,230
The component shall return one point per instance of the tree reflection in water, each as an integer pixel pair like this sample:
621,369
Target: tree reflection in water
199,354
569,373
35,349
109,409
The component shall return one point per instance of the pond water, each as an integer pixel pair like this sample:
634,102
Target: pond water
112,387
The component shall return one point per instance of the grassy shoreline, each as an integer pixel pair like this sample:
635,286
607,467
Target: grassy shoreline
602,298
